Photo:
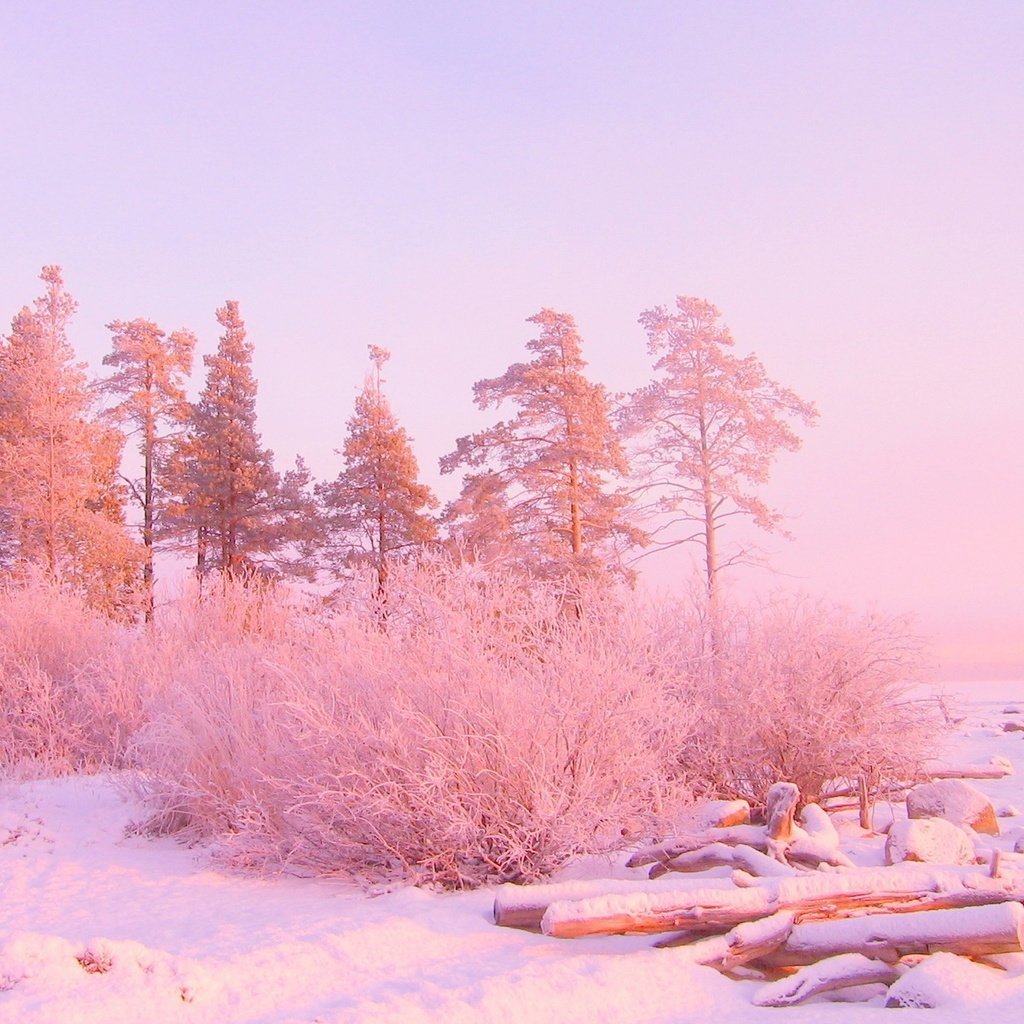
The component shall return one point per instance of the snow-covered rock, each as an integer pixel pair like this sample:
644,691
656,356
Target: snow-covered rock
721,814
928,840
955,800
944,979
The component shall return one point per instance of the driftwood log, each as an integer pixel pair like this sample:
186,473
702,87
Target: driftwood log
997,768
747,941
746,858
829,975
780,847
818,896
777,942
973,931
523,906
813,931
753,836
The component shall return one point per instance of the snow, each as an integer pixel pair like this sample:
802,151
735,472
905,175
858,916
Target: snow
104,926
945,980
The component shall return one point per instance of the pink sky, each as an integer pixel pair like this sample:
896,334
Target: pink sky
843,181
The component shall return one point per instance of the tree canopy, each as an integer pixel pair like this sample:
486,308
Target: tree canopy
706,431
376,509
539,485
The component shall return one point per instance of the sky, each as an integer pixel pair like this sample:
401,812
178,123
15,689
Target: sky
842,180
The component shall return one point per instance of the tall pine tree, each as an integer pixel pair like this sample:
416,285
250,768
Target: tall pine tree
150,372
538,486
375,510
706,432
60,501
227,494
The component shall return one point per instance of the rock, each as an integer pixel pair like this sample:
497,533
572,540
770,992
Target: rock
1013,726
946,979
721,814
1007,810
955,800
1018,847
1013,709
928,840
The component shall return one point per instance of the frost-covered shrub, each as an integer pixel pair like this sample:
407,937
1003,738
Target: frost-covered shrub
476,728
483,733
807,692
70,692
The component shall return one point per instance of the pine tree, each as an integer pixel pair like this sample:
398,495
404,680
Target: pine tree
538,484
150,375
375,509
60,502
707,432
227,494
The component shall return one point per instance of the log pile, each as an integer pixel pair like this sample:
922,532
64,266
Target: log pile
794,911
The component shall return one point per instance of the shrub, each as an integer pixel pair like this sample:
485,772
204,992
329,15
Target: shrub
483,734
808,692
70,694
483,729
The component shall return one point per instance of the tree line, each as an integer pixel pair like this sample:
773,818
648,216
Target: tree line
571,484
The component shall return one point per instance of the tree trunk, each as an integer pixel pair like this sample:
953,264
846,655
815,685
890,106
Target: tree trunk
575,519
201,556
779,810
864,802
51,508
147,518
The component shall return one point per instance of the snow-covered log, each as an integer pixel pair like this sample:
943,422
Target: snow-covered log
697,911
748,941
721,814
972,931
843,971
745,858
808,846
815,821
998,767
735,835
523,906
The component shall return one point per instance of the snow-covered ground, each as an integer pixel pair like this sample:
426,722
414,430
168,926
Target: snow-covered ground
100,926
